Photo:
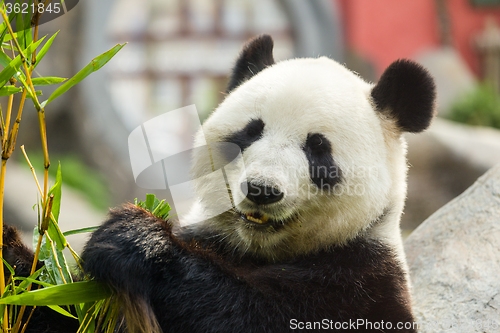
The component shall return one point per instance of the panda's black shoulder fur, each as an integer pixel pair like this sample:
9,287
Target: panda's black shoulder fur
194,289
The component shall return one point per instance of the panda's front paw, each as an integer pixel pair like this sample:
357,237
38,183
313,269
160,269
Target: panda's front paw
123,251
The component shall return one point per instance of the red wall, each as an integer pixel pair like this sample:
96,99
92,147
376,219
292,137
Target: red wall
384,30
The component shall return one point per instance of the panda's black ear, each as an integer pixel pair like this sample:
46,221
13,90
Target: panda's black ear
407,93
256,55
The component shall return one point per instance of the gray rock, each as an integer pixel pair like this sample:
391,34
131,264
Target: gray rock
454,260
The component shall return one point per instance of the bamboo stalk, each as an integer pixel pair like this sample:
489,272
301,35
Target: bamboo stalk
2,129
27,320
32,169
2,278
6,124
11,143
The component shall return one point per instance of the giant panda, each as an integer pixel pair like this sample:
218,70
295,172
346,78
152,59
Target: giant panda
312,241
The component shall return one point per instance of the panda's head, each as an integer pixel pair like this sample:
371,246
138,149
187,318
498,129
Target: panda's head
322,156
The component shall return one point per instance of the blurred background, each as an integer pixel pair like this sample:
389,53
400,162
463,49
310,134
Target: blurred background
180,52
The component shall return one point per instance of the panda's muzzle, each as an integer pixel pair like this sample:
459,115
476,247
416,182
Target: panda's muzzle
261,194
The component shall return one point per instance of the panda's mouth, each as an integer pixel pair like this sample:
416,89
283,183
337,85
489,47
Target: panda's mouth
262,220
256,217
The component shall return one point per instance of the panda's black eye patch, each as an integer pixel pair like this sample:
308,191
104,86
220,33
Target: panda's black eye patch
322,168
248,135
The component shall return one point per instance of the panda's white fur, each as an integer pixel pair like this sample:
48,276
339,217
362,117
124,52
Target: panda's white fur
294,98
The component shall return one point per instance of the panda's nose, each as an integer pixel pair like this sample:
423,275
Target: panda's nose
261,195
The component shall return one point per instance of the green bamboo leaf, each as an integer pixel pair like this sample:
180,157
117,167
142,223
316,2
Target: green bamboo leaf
96,64
156,207
20,29
27,27
45,81
9,267
44,49
56,191
4,59
64,268
3,26
9,90
60,310
150,201
28,281
79,231
56,235
51,272
65,294
13,67
22,78
8,36
53,275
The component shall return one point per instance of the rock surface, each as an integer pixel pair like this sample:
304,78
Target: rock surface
454,260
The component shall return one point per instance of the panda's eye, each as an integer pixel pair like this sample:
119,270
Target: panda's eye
317,144
314,140
248,134
254,128
322,168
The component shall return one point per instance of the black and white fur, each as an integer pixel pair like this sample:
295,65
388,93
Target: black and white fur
314,231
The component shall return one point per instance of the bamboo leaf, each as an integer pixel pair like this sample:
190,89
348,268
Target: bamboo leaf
8,36
13,67
4,59
44,49
60,310
56,235
45,81
156,207
56,191
51,273
79,231
22,78
65,294
54,256
9,267
20,30
150,201
27,27
3,26
9,90
96,64
26,281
